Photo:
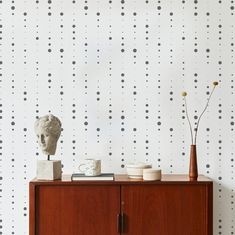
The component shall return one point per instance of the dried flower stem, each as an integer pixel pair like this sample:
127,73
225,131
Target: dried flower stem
208,100
186,110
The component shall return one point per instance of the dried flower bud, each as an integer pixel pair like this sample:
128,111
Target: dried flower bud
215,83
184,93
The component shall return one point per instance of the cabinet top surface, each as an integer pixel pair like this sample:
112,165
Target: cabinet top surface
123,179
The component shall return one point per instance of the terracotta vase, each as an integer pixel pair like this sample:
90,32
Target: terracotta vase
193,174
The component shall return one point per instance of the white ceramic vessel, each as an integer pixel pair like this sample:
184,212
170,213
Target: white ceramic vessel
135,170
90,167
152,174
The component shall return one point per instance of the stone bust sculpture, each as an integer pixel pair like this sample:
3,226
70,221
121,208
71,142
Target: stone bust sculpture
48,129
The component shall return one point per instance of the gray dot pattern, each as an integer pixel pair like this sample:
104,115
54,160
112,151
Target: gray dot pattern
113,72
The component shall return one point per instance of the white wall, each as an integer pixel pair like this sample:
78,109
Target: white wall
169,46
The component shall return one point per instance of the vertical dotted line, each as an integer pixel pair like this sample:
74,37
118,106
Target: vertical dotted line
62,67
158,79
232,8
147,109
207,60
171,82
25,88
110,75
184,122
12,172
122,129
86,78
232,159
74,77
50,79
49,51
135,28
122,117
219,27
195,50
98,88
37,65
1,115
171,39
207,52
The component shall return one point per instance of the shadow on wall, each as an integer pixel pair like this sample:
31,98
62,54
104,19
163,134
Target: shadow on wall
224,209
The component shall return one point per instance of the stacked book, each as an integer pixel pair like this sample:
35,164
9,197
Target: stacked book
101,177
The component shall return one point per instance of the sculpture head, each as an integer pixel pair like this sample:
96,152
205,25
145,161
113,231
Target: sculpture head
48,129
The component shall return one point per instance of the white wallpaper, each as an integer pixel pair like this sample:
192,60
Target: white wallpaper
113,72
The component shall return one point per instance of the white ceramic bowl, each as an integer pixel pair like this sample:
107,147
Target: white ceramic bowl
152,174
135,170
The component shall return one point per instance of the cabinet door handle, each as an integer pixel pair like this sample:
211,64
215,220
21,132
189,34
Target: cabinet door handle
120,222
119,229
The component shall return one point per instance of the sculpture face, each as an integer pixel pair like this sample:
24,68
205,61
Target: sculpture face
47,142
48,129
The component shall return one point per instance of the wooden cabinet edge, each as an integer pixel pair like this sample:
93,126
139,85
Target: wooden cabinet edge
123,179
32,209
209,208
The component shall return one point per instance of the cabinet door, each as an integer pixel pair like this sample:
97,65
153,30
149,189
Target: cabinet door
165,210
77,210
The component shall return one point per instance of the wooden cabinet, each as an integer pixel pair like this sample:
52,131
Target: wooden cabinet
172,206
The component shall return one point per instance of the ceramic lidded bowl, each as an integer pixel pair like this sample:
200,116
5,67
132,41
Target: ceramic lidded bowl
135,170
152,174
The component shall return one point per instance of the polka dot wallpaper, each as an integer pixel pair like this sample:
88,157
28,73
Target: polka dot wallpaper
113,72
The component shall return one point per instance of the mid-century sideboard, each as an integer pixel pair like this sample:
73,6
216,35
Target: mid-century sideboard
172,206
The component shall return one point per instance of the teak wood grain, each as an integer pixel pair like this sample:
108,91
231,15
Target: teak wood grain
172,206
72,210
165,210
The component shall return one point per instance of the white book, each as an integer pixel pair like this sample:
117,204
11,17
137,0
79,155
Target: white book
103,176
